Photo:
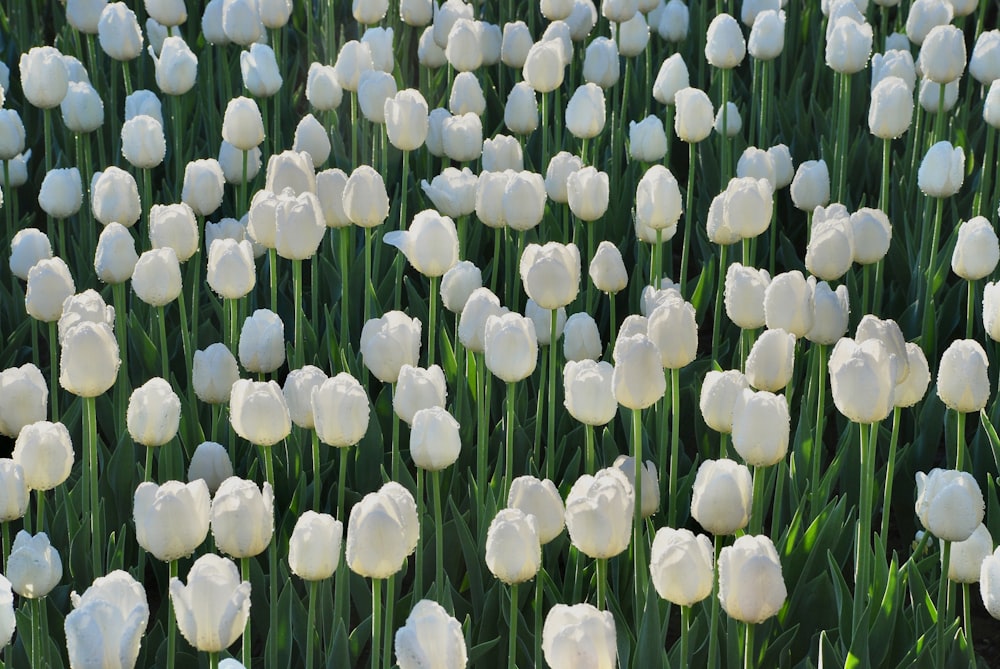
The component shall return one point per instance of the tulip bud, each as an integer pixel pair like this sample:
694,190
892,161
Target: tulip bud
672,328
311,138
872,234
490,187
888,333
693,120
482,304
462,137
119,33
502,153
942,54
751,586
771,361
811,185
13,504
435,442
203,186
243,516
891,108
767,36
721,496
942,170
143,143
430,638
213,374
579,635
976,251
418,389
431,243
11,134
967,556
44,452
44,77
598,513
638,378
633,36
911,390
757,164
453,192
582,339
788,304
510,346
262,342
379,43
176,66
650,482
61,193
406,120
353,59
242,125
962,382
672,77
143,102
330,186
523,201
322,87
720,393
607,269
365,199
89,362
513,551
429,54
171,520
601,65
588,191
49,284
82,109
588,390
33,566
761,426
340,411
210,463
457,285
724,45
521,110
83,15
259,67
681,566
154,413
831,310
538,498
213,608
949,503
542,319
314,547
382,532
543,67
374,88
930,96
984,65
156,279
674,20
863,379
28,247
231,269
744,295
585,112
516,44
23,399
416,12
647,140
298,389
560,167
388,343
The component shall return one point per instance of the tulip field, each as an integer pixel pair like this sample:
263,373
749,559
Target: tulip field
552,333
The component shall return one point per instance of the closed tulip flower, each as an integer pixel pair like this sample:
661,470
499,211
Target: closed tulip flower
911,390
61,193
11,134
767,35
962,382
560,167
82,109
259,413
259,67
502,152
44,452
311,138
872,234
811,186
143,143
156,279
374,88
406,120
44,77
672,77
18,168
212,26
720,393
863,378
942,54
674,21
551,274
579,635
430,638
744,295
243,517
430,244
600,64
988,578
462,137
650,482
143,102
379,43
369,12
242,125
174,226
942,170
29,246
457,285
891,108
694,118
416,13
540,499
831,309
388,343
382,532
83,15
607,269
203,186
13,501
330,186
231,269
300,226
830,251
967,556
33,566
463,49
213,608
119,33
154,413
49,284
848,45
453,192
353,59
23,398
510,346
262,342
89,362
633,36
949,503
647,140
516,44
788,303
984,65
417,389
543,67
638,377
582,339
176,66
681,566
482,304
588,390
513,551
724,46
761,427
523,201
85,306
758,164
888,332
107,622
771,360
598,513
588,191
314,548
171,520
673,329
658,200
585,112
275,13
751,585
976,251
323,89
298,388
721,496
435,442
521,110
340,411
429,54
365,199
930,99
213,374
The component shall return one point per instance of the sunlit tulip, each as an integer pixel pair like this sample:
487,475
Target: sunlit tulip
984,64
720,393
213,374
312,138
521,110
89,363
143,102
872,234
601,63
831,309
751,585
203,186
930,96
912,389
340,411
369,12
242,125
962,382
29,246
119,33
374,89
299,226
541,499
231,269
638,378
61,192
863,378
298,389
174,226
891,108
523,201
45,454
672,77
430,243
607,269
585,112
761,425
949,503
482,304
259,67
23,398
502,152
788,303
650,482
582,338
721,496
647,140
588,192
457,285
513,550
417,389
258,412
176,66
242,517
390,342
156,278
365,199
967,556
542,319
579,635
211,464
323,89
695,116
724,45
942,170
382,532
588,390
82,109
154,413
171,520
942,54
416,12
33,566
681,566
314,547
406,120
811,186
83,15
598,513
551,273
977,249
44,77
430,638
262,342
49,284
744,295
213,608
12,135
544,68
510,346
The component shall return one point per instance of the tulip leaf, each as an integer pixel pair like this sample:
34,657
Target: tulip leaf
649,651
883,626
471,555
991,432
338,653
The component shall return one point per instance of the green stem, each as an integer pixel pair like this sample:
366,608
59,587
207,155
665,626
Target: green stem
439,577
890,470
311,630
186,343
272,565
341,603
539,607
272,265
5,531
395,438
509,433
90,427
390,602
40,520
727,167
984,180
550,454
37,611
757,508
512,635
344,242
944,588
817,447
929,270
685,634
713,626
868,435
246,657
376,622
939,121
675,446
602,584
213,660
299,354
764,135
171,620
241,189
970,308
638,551
545,128
482,430
432,317
369,290
418,570
883,193
960,441
590,466
749,660
717,319
316,472
161,319
842,148
54,370
967,621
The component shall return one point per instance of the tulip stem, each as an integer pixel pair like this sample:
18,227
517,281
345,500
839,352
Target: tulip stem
438,535
509,429
638,551
376,622
311,630
749,659
713,625
550,454
657,260
186,342
675,446
342,604
929,289
272,564
984,179
299,353
589,455
539,605
432,317
497,235
727,167
36,631
368,274
960,441
602,583
817,445
316,467
944,588
890,470
512,636
864,537
213,660
241,191
90,434
343,242
272,265
161,318
685,634
842,131
394,446
717,318
390,601
545,129
418,568
54,370
883,193
482,430
689,210
5,530
970,312
40,520
171,619
967,621
939,122
757,504
246,657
